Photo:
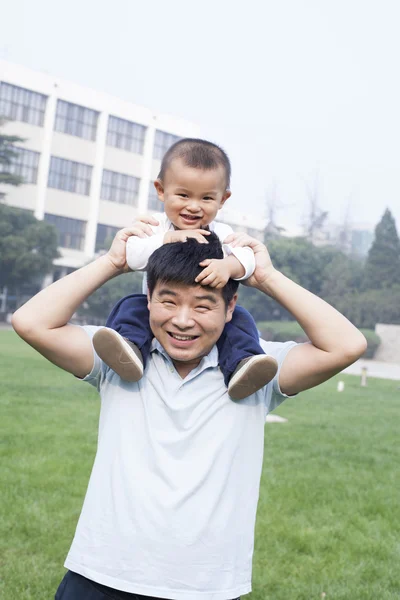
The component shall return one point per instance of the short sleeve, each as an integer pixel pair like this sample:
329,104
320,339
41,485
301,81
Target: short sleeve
96,374
279,351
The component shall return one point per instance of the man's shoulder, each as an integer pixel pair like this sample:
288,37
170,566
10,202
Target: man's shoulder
278,350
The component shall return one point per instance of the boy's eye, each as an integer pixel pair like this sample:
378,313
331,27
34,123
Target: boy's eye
183,195
208,198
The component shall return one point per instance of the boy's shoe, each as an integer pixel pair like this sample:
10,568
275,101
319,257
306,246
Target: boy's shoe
119,354
251,375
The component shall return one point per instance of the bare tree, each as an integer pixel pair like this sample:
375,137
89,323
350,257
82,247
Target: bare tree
316,216
272,206
345,229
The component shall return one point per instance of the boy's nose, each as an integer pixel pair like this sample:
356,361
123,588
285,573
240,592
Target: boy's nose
193,206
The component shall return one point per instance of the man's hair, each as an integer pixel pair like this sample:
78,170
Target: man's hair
197,154
178,262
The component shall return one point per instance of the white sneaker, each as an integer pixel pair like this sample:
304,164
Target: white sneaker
121,355
251,374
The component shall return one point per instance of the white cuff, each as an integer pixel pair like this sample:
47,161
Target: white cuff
245,256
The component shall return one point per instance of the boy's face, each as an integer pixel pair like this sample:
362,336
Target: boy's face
192,197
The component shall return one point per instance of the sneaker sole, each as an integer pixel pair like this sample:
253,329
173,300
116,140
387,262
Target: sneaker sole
253,376
118,355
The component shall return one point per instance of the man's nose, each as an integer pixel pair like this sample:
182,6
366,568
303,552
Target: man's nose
183,319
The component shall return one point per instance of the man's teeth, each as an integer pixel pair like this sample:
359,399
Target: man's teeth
182,337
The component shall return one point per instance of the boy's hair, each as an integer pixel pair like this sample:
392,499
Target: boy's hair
198,154
178,262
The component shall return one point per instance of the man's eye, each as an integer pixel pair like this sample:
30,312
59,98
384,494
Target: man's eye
203,308
168,303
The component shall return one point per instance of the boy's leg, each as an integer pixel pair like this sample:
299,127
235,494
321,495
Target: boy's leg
244,364
124,344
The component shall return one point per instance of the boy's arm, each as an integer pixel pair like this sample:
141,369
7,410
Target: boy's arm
334,342
43,321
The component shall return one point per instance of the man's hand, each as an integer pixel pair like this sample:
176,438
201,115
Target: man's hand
143,223
181,235
216,272
117,252
264,267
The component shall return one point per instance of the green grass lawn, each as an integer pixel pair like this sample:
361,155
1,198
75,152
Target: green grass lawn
329,511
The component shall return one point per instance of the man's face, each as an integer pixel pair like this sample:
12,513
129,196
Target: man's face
187,321
192,197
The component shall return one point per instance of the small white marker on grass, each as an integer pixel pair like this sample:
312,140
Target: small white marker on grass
275,419
340,386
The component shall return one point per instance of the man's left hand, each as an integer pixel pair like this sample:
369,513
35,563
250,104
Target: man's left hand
264,267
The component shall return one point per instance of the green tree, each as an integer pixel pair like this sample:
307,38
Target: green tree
382,268
27,247
99,305
7,155
326,272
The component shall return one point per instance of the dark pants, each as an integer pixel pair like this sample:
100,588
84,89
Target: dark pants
239,339
76,587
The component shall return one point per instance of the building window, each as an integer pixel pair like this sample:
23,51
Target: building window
153,203
162,142
76,120
70,176
19,104
104,236
25,164
118,187
125,135
71,232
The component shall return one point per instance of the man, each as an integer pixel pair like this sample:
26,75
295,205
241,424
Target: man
171,503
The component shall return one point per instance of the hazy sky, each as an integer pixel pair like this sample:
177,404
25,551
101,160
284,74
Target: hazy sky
294,90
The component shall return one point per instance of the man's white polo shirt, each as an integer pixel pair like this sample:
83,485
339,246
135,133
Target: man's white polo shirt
171,503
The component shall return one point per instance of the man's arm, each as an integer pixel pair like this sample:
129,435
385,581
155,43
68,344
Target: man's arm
334,342
43,321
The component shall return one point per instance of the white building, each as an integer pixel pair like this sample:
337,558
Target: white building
88,161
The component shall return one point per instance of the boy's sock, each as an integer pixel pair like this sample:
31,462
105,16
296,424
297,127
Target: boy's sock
251,375
121,355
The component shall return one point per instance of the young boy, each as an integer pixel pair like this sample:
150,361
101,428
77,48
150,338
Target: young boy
193,184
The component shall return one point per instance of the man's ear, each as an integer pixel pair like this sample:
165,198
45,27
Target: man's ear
158,184
230,308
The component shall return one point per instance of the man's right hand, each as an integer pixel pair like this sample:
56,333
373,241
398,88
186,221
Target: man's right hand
117,252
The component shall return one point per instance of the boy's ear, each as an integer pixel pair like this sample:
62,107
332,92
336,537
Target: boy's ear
158,184
225,197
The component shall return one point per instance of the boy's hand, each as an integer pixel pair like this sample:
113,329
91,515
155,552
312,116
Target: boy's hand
216,272
181,235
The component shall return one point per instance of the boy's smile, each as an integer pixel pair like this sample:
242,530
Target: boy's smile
192,197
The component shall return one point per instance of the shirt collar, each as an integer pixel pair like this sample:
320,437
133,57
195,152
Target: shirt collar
210,360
